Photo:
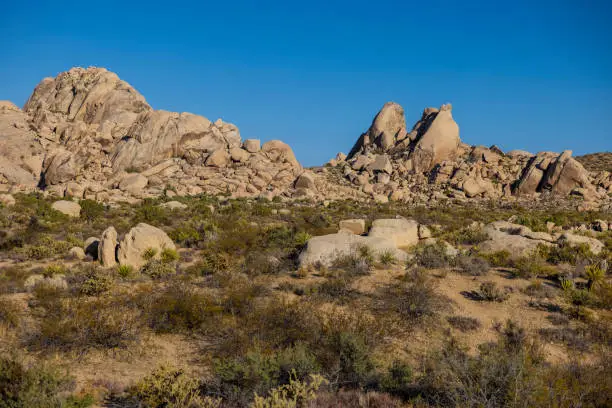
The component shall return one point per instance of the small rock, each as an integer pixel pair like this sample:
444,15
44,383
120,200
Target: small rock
252,145
7,200
424,232
76,253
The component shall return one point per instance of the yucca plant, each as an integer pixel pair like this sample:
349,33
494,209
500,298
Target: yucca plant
595,275
567,285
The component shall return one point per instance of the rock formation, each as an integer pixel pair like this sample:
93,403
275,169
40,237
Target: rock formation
430,163
88,134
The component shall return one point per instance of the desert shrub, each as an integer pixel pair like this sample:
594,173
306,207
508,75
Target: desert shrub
239,378
398,379
489,291
573,338
414,298
468,236
157,269
357,399
213,262
501,375
431,256
498,258
149,254
595,275
531,267
10,313
565,253
356,264
472,265
336,288
82,323
12,279
91,210
53,270
169,255
464,323
354,362
125,271
96,282
36,386
295,394
37,252
180,308
387,258
186,235
151,213
539,289
169,387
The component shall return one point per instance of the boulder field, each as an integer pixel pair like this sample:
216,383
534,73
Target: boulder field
87,134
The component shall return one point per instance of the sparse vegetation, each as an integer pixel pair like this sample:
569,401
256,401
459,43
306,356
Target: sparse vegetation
263,332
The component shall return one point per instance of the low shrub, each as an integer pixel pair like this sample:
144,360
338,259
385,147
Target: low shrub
180,308
96,282
35,386
498,259
295,394
431,256
82,323
169,255
472,265
169,387
10,313
531,267
157,269
415,297
489,291
464,323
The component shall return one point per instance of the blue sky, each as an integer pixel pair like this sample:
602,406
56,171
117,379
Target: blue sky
534,75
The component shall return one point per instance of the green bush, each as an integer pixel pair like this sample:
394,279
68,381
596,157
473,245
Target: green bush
157,269
169,255
180,308
464,323
10,313
125,271
37,386
91,210
96,282
169,387
498,259
490,292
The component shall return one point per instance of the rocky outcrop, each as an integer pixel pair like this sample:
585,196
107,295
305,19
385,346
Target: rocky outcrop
91,135
326,249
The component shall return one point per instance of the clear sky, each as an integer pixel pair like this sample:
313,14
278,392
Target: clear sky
534,75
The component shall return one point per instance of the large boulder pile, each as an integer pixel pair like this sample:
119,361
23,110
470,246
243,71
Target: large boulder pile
429,162
91,135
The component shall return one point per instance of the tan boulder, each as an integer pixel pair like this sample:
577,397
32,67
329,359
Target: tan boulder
306,180
439,142
404,233
107,248
133,183
327,248
594,245
70,208
239,155
138,240
388,124
218,158
252,145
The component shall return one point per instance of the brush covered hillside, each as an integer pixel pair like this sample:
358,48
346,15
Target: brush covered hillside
158,259
209,302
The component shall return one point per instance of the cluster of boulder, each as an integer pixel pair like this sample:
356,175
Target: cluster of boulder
88,134
428,162
110,251
386,236
521,241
